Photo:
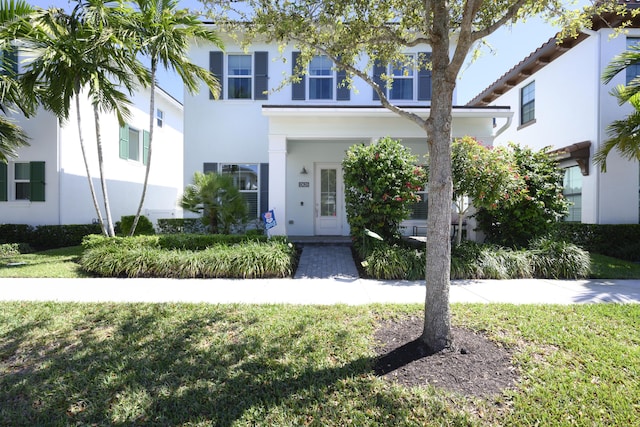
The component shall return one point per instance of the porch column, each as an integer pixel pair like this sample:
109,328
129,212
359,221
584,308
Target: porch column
278,182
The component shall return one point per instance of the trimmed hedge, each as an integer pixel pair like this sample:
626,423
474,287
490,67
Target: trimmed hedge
144,227
181,225
615,240
192,242
44,237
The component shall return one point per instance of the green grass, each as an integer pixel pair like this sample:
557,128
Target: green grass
279,365
604,267
52,263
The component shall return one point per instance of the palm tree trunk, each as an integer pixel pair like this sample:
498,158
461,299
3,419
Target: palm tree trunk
152,106
86,165
103,181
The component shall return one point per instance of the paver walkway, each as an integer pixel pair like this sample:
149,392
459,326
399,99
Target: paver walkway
326,262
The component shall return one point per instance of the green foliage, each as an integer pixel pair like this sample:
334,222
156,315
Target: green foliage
123,227
9,249
217,199
247,260
180,225
15,233
381,181
395,263
535,209
47,236
192,242
557,259
616,240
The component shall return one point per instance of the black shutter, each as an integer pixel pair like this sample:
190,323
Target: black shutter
378,71
424,81
261,82
343,93
297,89
216,67
36,176
209,168
3,182
264,187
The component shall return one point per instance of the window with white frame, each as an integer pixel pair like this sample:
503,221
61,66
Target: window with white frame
403,79
528,103
239,73
159,117
246,179
134,144
22,181
572,192
632,70
321,78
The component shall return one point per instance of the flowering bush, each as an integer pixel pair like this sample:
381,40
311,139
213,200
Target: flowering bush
381,182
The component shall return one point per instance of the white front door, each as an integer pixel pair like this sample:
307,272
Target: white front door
328,199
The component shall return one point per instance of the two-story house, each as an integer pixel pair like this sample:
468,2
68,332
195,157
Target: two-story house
559,100
47,183
284,147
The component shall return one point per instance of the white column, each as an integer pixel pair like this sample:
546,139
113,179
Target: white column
278,182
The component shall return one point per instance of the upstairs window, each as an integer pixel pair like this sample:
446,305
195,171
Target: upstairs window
159,118
403,79
241,76
320,78
239,72
321,82
632,70
411,78
528,103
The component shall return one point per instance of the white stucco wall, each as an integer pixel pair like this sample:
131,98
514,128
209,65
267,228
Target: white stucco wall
68,199
571,106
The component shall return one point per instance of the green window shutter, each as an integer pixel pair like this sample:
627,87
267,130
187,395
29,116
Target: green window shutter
145,147
3,182
36,171
124,142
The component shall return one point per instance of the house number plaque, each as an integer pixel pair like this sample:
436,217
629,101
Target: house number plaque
303,184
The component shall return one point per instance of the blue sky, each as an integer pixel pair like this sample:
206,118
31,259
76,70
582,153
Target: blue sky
510,46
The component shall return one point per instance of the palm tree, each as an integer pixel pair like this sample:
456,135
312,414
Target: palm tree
164,34
217,199
624,135
12,97
86,53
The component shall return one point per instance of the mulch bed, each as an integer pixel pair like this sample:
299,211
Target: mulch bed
475,367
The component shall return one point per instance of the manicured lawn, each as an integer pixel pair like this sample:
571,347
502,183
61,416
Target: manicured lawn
604,267
51,263
280,365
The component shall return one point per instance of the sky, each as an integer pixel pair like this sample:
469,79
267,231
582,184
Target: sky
509,47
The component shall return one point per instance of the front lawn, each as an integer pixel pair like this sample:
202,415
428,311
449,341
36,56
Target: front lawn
51,263
280,365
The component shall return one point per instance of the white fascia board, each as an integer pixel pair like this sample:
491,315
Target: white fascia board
497,112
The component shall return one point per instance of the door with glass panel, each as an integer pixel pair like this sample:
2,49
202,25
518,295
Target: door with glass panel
329,199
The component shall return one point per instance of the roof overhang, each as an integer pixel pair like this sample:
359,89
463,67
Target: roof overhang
579,152
379,111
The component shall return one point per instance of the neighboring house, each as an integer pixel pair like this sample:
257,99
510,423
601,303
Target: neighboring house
285,147
47,183
559,101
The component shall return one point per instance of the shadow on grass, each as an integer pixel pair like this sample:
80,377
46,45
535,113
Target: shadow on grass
138,368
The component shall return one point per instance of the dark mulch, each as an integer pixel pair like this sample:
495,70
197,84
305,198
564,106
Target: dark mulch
475,367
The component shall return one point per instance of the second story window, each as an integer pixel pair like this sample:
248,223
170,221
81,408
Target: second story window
320,78
528,103
632,70
402,72
239,72
159,117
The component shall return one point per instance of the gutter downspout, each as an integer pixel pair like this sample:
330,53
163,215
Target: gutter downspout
504,127
598,117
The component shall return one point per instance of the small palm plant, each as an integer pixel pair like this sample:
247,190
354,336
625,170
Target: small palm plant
218,200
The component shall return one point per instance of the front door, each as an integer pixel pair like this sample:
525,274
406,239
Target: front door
328,199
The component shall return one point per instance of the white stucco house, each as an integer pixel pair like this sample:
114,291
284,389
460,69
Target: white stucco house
47,183
285,147
559,100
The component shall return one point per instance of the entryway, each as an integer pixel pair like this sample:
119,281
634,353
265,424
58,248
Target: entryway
329,199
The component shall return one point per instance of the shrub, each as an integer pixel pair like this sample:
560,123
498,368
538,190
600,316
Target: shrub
9,249
616,240
144,227
47,236
181,225
15,233
559,260
395,263
381,182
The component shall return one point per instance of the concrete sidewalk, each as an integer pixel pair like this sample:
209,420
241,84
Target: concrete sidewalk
337,290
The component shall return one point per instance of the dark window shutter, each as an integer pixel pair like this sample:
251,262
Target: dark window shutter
378,71
209,168
297,89
264,187
124,142
3,182
261,82
10,61
145,147
216,67
343,92
424,81
36,171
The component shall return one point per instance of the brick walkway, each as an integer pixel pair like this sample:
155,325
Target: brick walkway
326,262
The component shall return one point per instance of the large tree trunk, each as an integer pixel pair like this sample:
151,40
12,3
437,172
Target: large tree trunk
103,180
437,318
86,166
152,106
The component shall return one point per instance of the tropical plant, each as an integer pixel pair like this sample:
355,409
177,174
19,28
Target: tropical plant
624,134
358,35
164,35
85,53
12,97
381,182
217,199
533,211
